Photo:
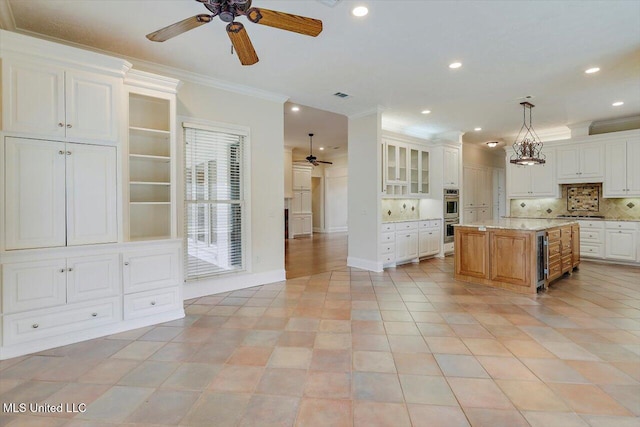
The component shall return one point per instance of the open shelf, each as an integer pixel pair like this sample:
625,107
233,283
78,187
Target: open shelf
150,157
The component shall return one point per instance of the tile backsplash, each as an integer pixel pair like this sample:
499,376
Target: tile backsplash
400,209
577,199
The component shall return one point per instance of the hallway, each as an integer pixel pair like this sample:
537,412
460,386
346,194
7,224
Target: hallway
306,256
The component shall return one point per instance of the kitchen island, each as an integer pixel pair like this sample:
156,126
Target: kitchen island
521,255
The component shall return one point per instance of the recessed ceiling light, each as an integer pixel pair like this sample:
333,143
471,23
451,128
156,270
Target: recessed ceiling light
321,148
295,108
617,103
455,65
492,144
360,11
425,112
592,70
477,129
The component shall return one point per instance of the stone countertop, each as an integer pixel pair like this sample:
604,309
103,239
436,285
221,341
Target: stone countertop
410,220
581,218
519,224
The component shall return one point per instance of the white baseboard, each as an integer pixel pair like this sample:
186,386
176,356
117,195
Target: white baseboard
231,283
364,264
337,229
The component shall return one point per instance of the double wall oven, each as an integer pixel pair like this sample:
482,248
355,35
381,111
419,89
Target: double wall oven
451,212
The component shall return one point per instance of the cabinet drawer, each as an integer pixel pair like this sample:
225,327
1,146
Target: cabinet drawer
388,227
389,248
405,226
149,303
591,235
565,245
555,270
554,249
49,322
33,285
566,262
554,234
387,238
433,223
596,251
150,270
388,258
620,225
598,225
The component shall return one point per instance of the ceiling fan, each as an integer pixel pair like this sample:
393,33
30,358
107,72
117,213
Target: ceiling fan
311,158
228,11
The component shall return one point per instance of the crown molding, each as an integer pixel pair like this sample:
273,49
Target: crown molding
152,81
376,110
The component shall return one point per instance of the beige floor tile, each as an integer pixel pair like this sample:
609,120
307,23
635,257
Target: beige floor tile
506,368
532,396
336,385
250,356
290,357
447,345
481,417
588,399
429,390
324,412
270,411
138,350
377,387
287,382
329,341
164,407
217,409
416,363
380,414
238,379
116,404
437,416
331,360
479,393
554,419
192,376
373,361
453,365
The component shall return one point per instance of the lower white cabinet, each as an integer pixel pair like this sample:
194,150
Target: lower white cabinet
620,244
406,245
409,241
93,277
611,240
301,225
148,303
429,237
32,285
150,269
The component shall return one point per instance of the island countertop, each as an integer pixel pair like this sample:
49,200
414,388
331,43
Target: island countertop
522,224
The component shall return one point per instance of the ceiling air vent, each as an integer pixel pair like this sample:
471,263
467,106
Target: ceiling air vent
341,95
330,3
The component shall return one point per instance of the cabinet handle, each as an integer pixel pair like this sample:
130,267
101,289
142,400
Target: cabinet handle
126,263
153,303
68,125
60,152
94,314
62,270
35,326
60,125
68,153
408,235
69,269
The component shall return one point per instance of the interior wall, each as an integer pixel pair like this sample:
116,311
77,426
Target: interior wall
473,155
317,203
265,119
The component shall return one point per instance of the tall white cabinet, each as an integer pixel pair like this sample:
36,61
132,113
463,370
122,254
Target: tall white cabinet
301,218
87,197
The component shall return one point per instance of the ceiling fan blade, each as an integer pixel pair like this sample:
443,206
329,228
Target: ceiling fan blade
242,43
328,163
178,28
285,21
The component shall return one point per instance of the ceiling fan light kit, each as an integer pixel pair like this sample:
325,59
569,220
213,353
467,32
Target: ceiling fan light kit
527,146
228,11
311,158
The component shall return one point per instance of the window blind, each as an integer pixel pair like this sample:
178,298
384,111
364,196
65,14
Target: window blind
214,202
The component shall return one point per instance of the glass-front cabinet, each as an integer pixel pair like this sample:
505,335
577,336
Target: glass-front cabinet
419,171
396,181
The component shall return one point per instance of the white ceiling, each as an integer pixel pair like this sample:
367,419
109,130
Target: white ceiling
396,57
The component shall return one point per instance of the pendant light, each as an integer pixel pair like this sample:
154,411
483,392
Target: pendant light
527,146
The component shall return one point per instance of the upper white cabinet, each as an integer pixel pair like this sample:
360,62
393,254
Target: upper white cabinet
451,173
622,172
39,98
477,187
301,177
579,163
418,171
59,194
396,160
532,181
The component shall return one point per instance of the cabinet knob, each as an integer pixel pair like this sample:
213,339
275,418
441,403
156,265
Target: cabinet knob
153,303
94,314
60,152
69,269
61,125
35,326
68,126
62,270
68,153
126,263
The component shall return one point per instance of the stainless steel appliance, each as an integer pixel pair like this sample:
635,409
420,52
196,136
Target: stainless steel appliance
449,228
542,257
451,203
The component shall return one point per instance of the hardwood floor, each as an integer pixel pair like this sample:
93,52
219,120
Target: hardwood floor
305,256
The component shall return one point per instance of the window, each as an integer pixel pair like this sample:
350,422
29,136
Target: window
214,201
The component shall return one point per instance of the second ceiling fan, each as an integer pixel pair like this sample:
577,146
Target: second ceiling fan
228,11
311,158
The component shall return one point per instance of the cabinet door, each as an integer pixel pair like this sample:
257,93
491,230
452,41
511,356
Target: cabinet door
34,284
434,240
620,244
543,178
296,225
91,106
424,172
305,201
150,269
518,181
414,171
33,98
307,224
93,277
568,163
91,194
484,214
486,190
301,178
451,167
615,184
296,202
34,193
469,186
469,215
423,242
633,171
592,161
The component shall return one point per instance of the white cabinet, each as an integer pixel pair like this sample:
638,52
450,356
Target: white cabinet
620,240
396,164
592,239
622,172
406,245
477,187
418,172
43,99
301,224
150,269
93,277
580,163
532,181
429,236
59,194
484,213
451,167
301,177
301,202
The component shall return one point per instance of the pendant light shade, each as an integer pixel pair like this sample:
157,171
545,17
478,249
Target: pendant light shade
527,146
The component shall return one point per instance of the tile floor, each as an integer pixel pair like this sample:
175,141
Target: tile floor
407,347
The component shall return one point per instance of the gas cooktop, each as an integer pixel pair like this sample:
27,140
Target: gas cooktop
580,216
